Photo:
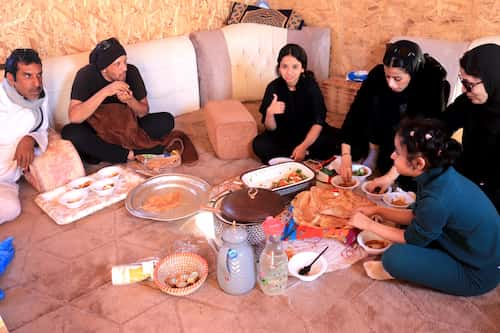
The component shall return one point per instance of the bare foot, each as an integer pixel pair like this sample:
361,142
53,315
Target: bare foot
376,271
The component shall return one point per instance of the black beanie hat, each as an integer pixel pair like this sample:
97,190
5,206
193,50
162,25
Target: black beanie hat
106,52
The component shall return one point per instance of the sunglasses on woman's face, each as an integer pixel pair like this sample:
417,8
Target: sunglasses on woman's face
467,84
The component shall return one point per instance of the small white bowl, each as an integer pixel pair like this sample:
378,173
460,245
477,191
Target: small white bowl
302,259
372,195
367,236
82,183
112,172
104,187
366,172
391,199
73,198
278,160
338,180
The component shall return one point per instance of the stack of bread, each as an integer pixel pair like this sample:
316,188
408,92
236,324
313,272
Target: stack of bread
326,207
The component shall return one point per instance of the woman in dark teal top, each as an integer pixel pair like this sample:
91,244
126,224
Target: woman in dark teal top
452,239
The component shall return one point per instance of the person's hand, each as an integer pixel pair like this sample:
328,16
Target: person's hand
125,96
25,152
116,87
299,153
382,182
346,167
360,221
367,210
276,107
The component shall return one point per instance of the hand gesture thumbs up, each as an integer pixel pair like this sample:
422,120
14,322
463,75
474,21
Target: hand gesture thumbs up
276,107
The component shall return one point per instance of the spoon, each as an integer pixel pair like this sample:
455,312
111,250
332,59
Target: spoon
306,269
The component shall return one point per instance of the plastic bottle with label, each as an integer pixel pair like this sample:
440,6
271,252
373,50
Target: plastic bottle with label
273,263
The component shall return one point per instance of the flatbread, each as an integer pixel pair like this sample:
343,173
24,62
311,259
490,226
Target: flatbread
325,207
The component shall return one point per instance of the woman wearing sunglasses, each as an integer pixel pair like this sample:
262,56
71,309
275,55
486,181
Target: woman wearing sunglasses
407,84
477,111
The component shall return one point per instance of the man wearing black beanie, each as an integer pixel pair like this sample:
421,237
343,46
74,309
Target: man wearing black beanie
105,80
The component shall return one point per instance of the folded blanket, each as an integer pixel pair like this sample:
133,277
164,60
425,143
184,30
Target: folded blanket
117,124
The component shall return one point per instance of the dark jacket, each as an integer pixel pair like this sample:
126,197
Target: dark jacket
377,110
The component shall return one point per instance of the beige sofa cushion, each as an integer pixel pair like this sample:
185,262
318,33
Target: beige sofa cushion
239,60
168,68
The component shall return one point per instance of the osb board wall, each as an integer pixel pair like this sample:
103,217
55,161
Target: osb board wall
59,27
359,28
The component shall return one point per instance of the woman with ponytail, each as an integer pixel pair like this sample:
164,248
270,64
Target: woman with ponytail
452,239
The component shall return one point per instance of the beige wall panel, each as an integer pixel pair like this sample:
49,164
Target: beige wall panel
360,28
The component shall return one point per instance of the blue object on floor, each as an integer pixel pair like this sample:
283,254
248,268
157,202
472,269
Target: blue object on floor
6,254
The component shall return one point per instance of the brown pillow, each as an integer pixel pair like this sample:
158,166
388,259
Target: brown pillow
284,18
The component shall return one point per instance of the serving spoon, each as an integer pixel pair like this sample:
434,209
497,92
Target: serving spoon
306,269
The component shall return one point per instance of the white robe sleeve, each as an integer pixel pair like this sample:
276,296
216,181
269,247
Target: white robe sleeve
41,135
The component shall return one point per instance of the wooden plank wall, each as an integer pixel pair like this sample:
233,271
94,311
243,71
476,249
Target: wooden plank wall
360,28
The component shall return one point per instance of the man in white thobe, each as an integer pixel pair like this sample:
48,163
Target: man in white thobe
23,125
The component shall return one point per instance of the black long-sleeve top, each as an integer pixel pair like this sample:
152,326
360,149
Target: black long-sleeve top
480,139
377,110
304,108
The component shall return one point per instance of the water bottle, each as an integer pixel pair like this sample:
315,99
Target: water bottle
273,263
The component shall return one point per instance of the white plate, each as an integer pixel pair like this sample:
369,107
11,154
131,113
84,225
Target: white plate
302,259
278,160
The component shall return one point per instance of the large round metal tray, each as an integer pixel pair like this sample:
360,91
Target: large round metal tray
194,193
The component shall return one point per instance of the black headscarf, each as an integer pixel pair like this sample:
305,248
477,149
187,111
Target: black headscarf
484,62
106,52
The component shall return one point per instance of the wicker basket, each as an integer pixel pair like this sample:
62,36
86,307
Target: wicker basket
338,94
183,263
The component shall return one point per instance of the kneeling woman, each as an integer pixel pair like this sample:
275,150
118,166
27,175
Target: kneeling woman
293,113
452,239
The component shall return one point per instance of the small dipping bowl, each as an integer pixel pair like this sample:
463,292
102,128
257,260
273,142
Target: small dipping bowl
73,198
364,239
361,172
112,172
398,199
302,259
104,187
372,195
82,183
338,180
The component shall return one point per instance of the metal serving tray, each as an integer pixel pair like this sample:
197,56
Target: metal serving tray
194,193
